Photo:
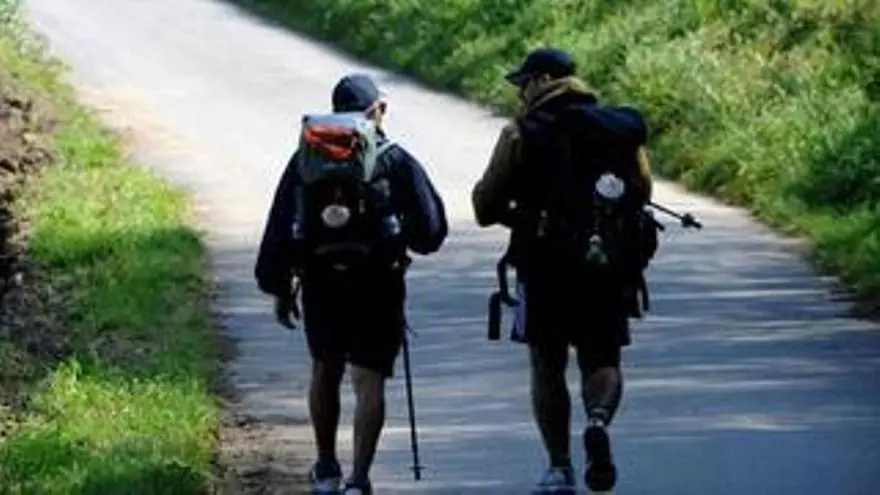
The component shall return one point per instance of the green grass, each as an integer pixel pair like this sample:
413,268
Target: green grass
132,409
771,105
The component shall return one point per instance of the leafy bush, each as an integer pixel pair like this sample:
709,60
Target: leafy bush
771,104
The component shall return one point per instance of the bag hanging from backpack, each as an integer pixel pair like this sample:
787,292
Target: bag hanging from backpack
344,217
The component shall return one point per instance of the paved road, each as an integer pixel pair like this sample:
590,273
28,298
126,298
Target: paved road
746,378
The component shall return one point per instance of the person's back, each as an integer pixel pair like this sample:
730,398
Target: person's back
555,179
353,280
580,220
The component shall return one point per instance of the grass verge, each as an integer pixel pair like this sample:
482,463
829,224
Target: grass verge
123,399
770,105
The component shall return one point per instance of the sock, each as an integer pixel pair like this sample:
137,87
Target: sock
598,417
361,483
327,465
563,462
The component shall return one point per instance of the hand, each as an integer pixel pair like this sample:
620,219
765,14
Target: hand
284,306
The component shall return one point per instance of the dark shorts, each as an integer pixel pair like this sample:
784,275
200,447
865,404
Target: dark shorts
361,322
553,314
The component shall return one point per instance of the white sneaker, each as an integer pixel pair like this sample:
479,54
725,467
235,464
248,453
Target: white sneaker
354,489
326,487
556,480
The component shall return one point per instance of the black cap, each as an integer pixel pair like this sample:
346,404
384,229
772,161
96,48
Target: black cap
354,93
548,60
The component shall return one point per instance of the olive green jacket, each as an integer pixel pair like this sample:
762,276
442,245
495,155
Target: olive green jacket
492,195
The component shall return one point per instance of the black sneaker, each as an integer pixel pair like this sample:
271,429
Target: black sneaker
325,478
601,475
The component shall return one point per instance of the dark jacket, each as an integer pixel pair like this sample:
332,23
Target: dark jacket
423,217
494,191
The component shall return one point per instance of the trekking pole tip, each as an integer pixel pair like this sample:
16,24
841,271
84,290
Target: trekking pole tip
417,471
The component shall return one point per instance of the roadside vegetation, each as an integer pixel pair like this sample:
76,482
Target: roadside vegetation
770,105
108,350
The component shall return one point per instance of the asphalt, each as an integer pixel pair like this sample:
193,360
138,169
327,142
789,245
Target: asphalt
747,377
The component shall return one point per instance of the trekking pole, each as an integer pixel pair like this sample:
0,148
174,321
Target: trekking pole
687,220
417,468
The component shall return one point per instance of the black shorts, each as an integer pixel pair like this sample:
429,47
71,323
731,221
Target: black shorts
361,322
595,322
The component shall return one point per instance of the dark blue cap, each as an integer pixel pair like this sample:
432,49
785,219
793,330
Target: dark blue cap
548,60
355,93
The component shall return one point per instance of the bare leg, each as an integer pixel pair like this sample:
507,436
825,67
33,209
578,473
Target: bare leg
324,405
369,388
551,403
601,384
602,387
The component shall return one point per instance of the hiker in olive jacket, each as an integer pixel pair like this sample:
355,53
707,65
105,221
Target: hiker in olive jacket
493,192
546,81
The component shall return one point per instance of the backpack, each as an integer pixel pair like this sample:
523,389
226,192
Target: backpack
344,216
581,221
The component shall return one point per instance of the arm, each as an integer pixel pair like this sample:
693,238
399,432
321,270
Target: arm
275,257
633,127
647,184
493,192
424,225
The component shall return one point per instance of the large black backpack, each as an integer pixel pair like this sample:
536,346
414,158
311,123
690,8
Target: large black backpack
580,218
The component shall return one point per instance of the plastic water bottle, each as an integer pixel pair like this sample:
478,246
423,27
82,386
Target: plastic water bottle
596,251
297,230
391,226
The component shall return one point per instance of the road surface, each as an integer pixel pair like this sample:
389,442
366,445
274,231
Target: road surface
746,378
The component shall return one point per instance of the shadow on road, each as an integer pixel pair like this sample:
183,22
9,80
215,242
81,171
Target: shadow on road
742,357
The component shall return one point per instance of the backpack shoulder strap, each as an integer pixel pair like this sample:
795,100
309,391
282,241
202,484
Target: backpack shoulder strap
385,156
384,146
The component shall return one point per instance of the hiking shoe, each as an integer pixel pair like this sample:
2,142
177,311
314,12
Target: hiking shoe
325,478
556,480
358,488
600,475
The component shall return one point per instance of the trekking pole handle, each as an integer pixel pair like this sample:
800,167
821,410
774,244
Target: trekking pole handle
501,272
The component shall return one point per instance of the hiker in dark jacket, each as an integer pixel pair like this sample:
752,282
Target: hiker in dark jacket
547,82
363,323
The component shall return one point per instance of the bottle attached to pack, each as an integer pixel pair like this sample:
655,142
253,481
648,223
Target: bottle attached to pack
607,192
344,217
